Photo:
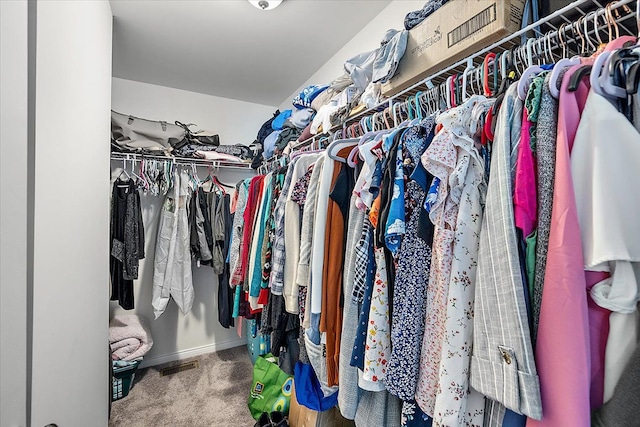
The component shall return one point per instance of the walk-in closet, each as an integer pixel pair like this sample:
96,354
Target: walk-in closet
319,213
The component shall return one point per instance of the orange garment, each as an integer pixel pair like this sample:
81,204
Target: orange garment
331,314
374,212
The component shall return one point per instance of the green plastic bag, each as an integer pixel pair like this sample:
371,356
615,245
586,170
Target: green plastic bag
271,387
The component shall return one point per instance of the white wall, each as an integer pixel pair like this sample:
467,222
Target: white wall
13,212
235,121
176,335
367,39
71,214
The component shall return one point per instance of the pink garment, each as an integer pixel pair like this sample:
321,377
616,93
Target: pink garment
563,342
571,338
525,199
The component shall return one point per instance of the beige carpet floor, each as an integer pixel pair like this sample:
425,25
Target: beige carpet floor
214,394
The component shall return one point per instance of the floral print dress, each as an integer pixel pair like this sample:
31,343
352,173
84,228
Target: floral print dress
443,385
456,403
412,273
378,344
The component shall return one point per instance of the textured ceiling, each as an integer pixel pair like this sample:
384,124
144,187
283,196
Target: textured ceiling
229,48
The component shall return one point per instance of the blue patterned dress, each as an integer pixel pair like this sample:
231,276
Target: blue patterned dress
412,273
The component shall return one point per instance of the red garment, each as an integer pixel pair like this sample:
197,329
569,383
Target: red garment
253,198
263,297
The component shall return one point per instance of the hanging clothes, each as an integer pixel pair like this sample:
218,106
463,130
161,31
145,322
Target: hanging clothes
565,286
507,375
464,192
172,277
237,241
200,228
335,236
127,241
412,277
222,236
608,224
546,132
292,228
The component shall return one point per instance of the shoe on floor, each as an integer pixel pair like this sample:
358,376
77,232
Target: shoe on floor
263,421
278,419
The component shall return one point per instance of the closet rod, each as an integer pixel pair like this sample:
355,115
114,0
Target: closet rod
182,160
505,44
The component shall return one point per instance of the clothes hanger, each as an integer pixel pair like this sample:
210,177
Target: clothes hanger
577,33
561,65
596,30
353,157
137,177
503,64
407,104
144,183
394,110
549,49
386,114
602,57
418,105
467,82
124,171
448,92
592,48
452,90
336,146
417,118
490,57
611,66
531,71
515,59
596,70
431,100
496,71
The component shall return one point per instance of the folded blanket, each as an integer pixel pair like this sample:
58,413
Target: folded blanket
129,337
214,155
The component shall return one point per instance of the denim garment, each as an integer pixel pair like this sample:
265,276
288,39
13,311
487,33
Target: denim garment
278,122
414,18
389,54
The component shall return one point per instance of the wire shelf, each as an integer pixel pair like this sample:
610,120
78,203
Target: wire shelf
181,160
564,25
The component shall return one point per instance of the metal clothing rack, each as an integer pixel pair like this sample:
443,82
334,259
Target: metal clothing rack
557,29
182,160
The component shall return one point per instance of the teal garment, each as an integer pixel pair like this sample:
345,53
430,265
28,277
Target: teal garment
255,281
532,104
530,260
236,301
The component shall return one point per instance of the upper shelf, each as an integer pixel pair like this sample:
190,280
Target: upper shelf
563,21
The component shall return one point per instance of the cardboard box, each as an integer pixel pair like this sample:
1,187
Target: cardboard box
456,30
301,416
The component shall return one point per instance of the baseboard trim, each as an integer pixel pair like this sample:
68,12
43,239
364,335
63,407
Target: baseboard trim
192,352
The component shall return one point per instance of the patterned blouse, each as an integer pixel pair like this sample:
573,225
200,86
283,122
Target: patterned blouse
443,385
